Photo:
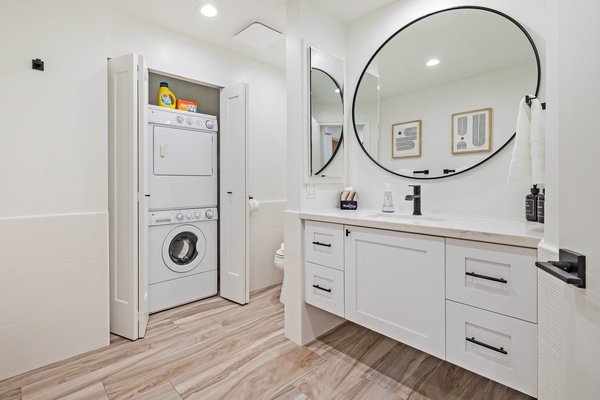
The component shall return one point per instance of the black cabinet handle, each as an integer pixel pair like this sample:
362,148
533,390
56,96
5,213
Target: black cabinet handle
322,244
487,346
323,289
489,278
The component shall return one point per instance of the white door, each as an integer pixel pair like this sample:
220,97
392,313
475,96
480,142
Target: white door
127,95
143,194
233,214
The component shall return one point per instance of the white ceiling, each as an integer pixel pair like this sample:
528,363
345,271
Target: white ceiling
234,15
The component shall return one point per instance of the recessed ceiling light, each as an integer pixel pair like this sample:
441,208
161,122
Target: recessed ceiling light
432,62
208,10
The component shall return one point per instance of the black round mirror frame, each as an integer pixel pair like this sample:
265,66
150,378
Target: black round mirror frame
537,87
342,132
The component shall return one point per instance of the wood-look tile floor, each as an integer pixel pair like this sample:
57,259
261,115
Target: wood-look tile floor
215,349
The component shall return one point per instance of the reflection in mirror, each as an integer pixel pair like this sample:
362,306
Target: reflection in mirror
487,64
326,115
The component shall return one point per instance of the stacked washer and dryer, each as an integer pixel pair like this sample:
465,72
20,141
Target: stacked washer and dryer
182,181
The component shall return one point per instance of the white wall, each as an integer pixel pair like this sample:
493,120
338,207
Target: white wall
500,90
307,26
53,207
483,191
53,153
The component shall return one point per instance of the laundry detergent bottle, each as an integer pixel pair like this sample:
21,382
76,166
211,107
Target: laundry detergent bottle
166,98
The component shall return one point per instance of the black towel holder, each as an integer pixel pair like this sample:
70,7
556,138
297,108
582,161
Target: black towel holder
528,99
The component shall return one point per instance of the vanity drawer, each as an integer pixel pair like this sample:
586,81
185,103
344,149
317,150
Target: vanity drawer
324,244
494,277
511,357
325,288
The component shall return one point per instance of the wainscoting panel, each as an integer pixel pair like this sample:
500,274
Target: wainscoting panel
549,293
266,236
53,289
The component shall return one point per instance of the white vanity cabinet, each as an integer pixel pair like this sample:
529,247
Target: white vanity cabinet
463,290
394,284
324,267
491,311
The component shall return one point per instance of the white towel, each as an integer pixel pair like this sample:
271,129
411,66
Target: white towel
520,164
537,134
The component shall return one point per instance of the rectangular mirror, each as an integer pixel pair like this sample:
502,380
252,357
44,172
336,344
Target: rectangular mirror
326,116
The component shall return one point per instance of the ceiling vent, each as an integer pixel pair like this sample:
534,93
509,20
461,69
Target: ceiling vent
258,35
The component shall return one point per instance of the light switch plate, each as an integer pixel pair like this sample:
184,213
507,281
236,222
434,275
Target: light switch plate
311,191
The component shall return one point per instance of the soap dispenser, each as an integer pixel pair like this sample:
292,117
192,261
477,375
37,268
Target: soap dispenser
541,206
531,204
388,202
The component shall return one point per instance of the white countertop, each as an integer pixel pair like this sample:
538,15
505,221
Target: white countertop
502,231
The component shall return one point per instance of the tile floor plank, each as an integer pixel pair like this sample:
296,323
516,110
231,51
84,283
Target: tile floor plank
216,349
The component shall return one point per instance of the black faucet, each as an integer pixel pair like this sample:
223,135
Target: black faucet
416,199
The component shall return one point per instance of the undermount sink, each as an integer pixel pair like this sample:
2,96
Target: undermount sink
407,217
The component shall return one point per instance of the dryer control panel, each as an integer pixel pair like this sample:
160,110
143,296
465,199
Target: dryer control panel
189,120
182,216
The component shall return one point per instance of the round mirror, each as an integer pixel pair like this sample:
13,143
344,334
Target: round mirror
441,95
327,119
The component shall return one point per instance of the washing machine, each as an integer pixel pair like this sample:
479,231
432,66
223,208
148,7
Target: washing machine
182,159
182,262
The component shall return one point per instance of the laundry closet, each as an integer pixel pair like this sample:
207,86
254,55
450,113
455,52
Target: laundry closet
177,194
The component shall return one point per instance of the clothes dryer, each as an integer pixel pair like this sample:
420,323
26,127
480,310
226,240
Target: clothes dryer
182,157
182,259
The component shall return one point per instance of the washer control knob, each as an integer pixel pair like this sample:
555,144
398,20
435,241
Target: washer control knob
179,216
209,124
197,214
209,214
188,215
179,118
189,121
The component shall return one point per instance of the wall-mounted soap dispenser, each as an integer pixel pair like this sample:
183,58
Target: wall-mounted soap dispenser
388,201
531,204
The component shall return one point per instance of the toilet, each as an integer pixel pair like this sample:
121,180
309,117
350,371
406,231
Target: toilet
280,263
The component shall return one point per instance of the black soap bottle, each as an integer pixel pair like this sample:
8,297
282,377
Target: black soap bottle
531,204
541,200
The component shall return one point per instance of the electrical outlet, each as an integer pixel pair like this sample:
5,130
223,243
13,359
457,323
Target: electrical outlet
311,191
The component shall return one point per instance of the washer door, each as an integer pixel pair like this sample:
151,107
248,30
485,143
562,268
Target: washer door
184,248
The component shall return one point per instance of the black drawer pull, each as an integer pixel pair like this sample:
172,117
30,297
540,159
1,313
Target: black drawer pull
489,278
322,244
487,346
323,289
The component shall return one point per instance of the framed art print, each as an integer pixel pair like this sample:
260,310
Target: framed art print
406,139
472,131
